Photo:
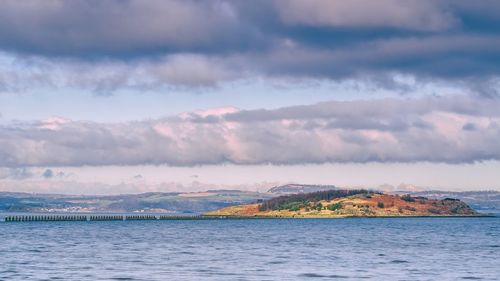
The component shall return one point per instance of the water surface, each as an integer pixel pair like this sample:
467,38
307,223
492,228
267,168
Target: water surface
268,249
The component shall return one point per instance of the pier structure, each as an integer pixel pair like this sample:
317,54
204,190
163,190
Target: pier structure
140,217
104,217
24,218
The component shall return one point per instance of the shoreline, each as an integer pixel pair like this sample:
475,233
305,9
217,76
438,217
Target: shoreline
91,218
365,217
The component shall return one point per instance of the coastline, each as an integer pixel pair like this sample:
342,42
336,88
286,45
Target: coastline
90,218
351,217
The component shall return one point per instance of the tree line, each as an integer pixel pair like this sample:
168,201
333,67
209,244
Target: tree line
286,201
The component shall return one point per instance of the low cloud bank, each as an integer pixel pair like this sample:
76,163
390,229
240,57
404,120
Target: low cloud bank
452,129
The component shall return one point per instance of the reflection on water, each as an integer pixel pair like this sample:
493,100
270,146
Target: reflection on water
281,249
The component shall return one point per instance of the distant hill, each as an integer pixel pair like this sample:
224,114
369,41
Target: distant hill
177,202
200,202
299,188
348,203
482,201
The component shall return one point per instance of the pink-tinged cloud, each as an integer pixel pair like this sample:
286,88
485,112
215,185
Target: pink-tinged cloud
453,129
53,123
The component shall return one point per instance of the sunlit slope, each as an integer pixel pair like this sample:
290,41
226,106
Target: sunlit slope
362,204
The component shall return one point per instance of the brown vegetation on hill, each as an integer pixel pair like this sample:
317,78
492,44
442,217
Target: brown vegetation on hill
352,203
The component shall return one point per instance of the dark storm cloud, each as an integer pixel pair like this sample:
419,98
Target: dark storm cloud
201,43
90,28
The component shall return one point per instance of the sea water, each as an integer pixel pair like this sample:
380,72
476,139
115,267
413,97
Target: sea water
253,249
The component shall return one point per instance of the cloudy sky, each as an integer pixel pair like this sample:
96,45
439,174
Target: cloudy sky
130,96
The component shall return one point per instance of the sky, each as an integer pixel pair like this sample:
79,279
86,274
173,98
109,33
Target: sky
107,97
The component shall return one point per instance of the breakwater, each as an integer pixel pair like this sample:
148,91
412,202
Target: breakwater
23,218
105,218
93,217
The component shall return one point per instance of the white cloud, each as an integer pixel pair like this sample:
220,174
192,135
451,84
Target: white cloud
388,130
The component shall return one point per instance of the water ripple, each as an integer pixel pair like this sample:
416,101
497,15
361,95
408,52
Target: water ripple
377,249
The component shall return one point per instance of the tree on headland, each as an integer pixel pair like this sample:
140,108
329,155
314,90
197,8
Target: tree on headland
302,199
319,207
334,207
408,198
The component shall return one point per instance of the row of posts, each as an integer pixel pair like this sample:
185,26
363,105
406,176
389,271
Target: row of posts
45,218
25,218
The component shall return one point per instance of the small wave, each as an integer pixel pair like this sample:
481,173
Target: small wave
187,253
399,261
277,262
315,275
338,276
312,275
34,251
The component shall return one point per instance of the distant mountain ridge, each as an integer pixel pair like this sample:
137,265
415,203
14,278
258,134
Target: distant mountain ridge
200,202
299,188
158,202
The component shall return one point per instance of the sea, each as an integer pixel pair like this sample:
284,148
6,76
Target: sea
253,249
